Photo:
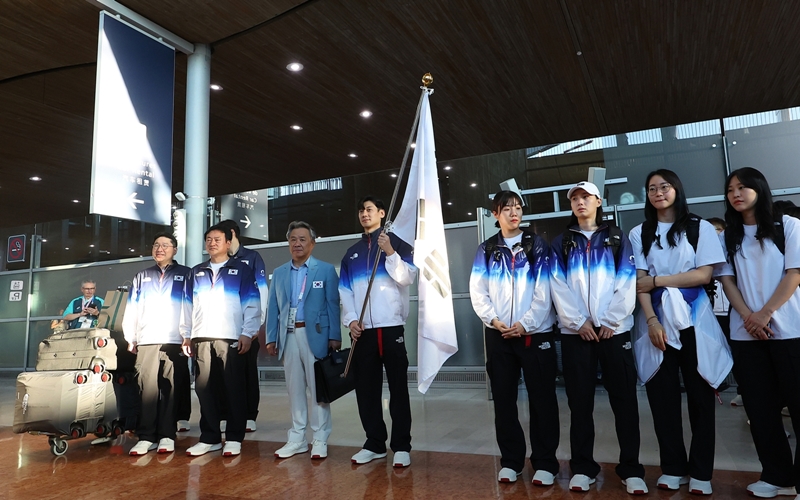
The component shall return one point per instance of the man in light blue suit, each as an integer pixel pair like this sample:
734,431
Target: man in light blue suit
302,325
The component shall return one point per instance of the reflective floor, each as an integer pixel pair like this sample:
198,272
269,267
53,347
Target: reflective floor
454,456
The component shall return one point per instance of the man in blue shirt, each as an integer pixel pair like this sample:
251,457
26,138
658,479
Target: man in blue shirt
221,314
82,312
151,328
302,324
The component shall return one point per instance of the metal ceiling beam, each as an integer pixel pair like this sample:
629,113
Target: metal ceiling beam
145,24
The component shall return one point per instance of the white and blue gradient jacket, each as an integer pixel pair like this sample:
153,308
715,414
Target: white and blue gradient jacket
513,292
590,285
224,308
153,312
388,301
256,263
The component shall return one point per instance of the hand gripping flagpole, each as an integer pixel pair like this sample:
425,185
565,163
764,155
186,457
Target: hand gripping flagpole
427,79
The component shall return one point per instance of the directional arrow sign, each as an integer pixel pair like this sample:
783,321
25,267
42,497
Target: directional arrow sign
133,201
249,210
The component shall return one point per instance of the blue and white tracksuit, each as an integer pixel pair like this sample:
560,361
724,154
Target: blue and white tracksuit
217,310
253,260
591,283
152,319
507,286
153,312
381,344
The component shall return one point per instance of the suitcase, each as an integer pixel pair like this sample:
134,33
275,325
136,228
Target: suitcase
66,403
82,349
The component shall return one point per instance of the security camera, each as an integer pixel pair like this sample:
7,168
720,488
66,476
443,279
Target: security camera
180,196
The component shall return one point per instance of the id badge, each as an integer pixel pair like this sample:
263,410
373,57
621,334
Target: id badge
292,316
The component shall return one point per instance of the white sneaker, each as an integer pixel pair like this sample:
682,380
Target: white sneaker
202,449
166,445
763,489
183,426
543,478
697,487
232,449
507,475
365,456
250,426
223,424
580,482
737,401
667,482
291,448
401,459
319,449
635,486
142,447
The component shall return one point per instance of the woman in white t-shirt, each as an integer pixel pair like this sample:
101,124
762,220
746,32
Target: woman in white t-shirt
761,283
677,329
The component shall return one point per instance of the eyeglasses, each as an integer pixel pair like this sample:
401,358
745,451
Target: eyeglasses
664,188
160,246
87,288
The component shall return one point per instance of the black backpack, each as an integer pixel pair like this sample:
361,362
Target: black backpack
614,240
490,249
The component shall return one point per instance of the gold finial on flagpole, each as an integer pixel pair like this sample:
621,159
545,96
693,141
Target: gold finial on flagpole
427,79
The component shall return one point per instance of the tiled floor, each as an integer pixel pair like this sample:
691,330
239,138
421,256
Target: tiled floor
454,456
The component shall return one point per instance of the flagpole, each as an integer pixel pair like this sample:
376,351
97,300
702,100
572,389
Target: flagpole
427,79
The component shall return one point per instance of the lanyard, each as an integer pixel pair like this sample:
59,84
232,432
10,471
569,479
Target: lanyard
302,290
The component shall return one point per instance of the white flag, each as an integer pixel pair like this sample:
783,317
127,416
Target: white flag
419,222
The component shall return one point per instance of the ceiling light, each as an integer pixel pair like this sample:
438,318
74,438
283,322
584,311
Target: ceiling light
296,127
413,145
366,113
91,246
448,167
44,240
449,202
35,178
474,184
353,155
214,86
394,175
66,248
469,213
76,201
295,66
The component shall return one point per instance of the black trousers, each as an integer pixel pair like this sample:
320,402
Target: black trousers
580,360
664,395
183,391
376,349
160,368
252,388
220,373
768,372
535,355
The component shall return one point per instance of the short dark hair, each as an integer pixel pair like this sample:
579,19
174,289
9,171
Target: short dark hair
717,222
228,232
503,198
299,224
375,201
233,226
163,234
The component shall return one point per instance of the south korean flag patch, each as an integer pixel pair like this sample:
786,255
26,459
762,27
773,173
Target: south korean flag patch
233,271
317,284
178,278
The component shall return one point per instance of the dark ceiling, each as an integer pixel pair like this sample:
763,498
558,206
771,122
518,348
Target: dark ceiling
508,74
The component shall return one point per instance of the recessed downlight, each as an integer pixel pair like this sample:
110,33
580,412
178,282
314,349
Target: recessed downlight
35,178
413,145
366,113
394,175
296,127
294,66
76,201
474,184
215,86
448,167
353,155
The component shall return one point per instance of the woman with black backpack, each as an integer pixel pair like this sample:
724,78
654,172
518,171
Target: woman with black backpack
761,281
675,252
593,284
